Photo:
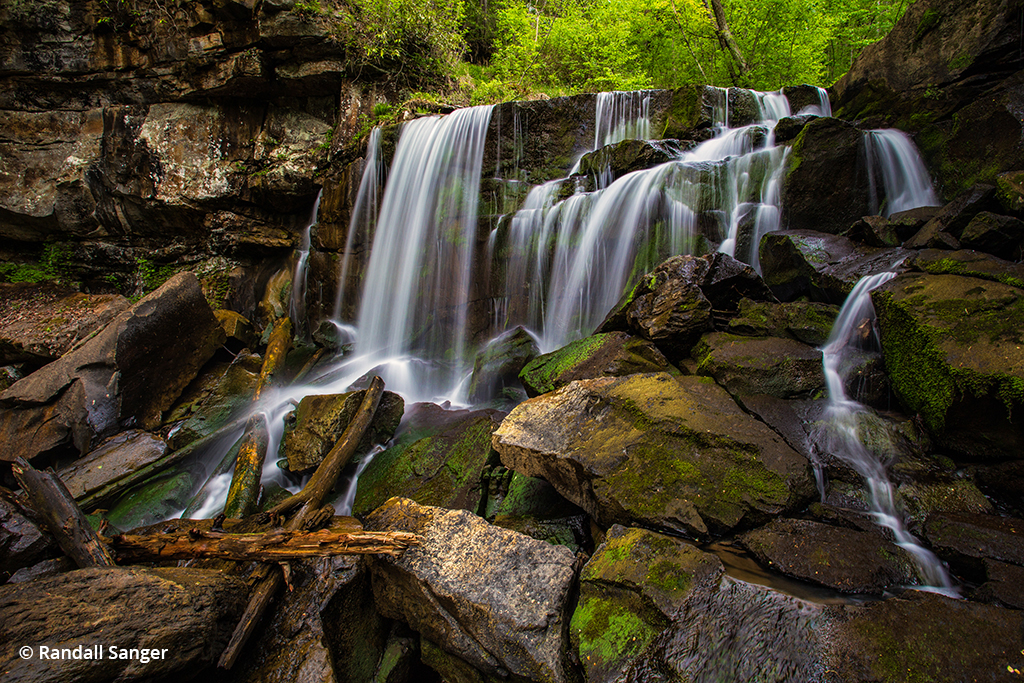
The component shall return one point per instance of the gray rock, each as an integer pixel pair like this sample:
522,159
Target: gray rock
23,542
132,371
653,450
182,617
115,458
492,597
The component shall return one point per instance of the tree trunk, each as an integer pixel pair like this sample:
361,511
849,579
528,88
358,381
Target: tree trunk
728,42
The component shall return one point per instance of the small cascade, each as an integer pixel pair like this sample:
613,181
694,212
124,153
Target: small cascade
843,419
364,212
622,116
297,305
905,180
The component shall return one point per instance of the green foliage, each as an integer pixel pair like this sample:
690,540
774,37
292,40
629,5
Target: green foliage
54,265
150,276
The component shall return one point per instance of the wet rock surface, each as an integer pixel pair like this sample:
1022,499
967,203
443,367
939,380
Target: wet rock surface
843,559
638,449
760,365
490,596
185,615
23,542
497,366
115,458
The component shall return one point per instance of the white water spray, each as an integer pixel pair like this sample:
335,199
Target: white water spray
905,180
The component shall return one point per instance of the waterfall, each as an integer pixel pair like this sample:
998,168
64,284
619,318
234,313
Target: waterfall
905,179
841,434
417,282
622,116
364,212
297,304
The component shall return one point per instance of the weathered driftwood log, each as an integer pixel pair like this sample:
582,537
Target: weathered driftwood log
245,482
310,498
278,545
62,516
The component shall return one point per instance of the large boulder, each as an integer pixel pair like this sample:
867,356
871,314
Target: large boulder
23,540
952,346
497,365
806,321
168,622
826,186
630,591
610,354
846,560
776,366
649,449
114,459
492,597
132,371
321,419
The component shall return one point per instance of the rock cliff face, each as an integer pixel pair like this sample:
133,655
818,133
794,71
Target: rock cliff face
170,131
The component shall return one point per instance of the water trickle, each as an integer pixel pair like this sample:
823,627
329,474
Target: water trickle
843,419
622,116
297,305
364,212
905,180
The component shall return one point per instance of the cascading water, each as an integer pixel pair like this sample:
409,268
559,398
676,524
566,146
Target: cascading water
905,179
841,432
297,304
622,116
364,212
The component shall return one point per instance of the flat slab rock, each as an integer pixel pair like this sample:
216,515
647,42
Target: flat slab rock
493,597
183,617
656,451
846,560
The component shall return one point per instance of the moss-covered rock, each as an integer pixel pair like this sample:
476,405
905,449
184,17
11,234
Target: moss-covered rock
946,228
775,366
952,346
630,591
664,452
609,354
971,264
533,507
807,322
437,458
1010,192
156,499
214,398
614,161
846,560
965,539
995,234
321,419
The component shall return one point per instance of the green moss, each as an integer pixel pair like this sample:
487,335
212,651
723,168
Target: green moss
951,266
929,20
961,61
609,634
543,371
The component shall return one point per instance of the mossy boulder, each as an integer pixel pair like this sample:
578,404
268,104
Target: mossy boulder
799,263
946,228
826,187
743,107
497,365
650,449
609,354
845,560
952,346
1010,192
691,110
775,366
152,501
437,458
971,264
321,419
995,234
614,161
805,321
630,591
920,637
965,539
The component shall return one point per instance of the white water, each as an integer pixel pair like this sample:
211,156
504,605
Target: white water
622,116
842,438
364,212
297,304
905,180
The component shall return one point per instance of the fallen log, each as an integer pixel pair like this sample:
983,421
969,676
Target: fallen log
245,482
62,516
311,497
278,545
